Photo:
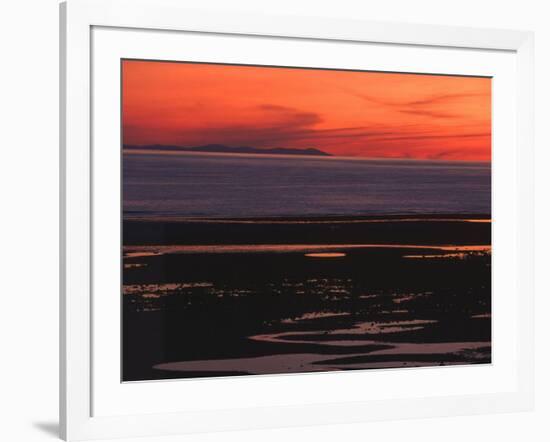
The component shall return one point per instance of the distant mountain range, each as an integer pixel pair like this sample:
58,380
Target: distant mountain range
232,149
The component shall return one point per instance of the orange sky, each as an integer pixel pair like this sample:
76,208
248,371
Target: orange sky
365,114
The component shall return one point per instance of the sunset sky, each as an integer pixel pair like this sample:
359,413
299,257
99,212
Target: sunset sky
361,114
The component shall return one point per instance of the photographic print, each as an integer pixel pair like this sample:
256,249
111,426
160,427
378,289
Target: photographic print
292,220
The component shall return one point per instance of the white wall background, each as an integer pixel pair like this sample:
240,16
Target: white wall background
29,204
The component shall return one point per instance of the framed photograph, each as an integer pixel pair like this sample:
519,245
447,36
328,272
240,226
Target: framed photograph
281,221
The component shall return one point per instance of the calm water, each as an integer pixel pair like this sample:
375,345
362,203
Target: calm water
212,185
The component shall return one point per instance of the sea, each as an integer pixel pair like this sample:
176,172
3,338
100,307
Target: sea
182,184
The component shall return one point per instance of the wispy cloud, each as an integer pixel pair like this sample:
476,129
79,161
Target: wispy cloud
429,107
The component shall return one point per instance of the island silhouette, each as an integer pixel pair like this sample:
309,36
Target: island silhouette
220,148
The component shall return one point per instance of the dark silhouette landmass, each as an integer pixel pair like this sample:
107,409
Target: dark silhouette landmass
220,148
202,314
397,229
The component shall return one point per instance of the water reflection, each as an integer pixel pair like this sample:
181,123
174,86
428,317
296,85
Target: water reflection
152,250
282,311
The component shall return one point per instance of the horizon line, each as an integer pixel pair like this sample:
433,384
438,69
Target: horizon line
137,149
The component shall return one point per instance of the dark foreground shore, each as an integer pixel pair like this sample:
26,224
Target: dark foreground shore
352,293
410,229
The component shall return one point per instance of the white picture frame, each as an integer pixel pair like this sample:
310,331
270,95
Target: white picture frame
79,380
